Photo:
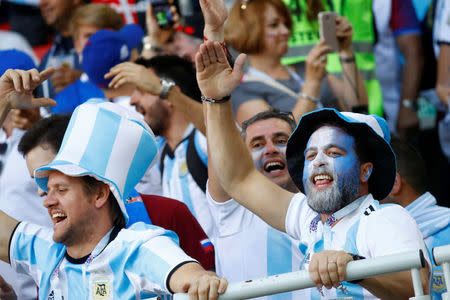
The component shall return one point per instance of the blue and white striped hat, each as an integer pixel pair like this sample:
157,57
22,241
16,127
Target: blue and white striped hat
371,130
108,142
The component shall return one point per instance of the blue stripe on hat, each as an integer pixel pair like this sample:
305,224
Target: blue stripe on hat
143,156
102,142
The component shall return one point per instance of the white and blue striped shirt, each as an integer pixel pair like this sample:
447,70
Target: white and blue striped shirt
136,264
178,183
365,227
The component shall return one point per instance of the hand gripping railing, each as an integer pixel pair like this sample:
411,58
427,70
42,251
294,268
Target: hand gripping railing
359,269
441,257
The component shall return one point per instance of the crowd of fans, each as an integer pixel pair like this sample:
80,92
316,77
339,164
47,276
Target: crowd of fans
164,114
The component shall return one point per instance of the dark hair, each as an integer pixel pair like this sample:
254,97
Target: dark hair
179,69
49,131
410,165
288,117
92,185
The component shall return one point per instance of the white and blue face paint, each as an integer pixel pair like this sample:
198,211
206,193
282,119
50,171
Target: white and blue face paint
331,170
260,160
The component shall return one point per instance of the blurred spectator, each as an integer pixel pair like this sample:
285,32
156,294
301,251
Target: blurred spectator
268,83
62,56
410,191
25,18
103,50
183,158
239,231
16,185
305,35
13,40
399,63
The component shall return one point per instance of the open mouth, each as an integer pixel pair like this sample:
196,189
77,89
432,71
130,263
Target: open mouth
58,217
274,166
322,180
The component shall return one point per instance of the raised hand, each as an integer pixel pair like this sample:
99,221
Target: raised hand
64,76
344,33
159,36
16,88
316,62
215,76
215,14
134,74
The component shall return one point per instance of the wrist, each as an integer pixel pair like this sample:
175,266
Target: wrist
211,100
214,35
411,104
346,53
150,44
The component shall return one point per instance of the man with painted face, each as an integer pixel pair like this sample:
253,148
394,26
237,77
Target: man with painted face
342,161
239,231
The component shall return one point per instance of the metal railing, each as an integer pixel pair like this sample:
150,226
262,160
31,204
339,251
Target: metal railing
413,260
441,257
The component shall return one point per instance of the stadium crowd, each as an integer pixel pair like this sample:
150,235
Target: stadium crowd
177,146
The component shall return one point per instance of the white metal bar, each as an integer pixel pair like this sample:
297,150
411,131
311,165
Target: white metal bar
299,280
417,282
441,257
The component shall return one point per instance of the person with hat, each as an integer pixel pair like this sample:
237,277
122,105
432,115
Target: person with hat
88,254
341,163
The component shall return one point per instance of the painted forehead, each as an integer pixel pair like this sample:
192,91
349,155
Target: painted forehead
330,135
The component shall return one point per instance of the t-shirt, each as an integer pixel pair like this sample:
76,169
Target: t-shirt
257,90
174,215
138,262
248,248
178,183
441,28
365,228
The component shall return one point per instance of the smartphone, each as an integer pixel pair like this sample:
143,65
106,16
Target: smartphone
162,13
327,29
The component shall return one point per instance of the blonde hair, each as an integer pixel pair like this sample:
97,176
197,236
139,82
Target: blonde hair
95,14
245,27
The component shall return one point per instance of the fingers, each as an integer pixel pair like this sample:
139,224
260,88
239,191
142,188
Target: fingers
325,278
223,284
239,66
328,268
199,61
341,264
44,75
38,102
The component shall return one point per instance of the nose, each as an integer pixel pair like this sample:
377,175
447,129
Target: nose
319,160
49,201
285,30
134,100
271,148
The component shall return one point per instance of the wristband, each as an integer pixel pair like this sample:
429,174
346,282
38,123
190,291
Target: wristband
310,98
411,104
347,60
209,100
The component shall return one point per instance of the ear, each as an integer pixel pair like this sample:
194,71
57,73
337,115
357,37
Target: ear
365,171
101,198
397,185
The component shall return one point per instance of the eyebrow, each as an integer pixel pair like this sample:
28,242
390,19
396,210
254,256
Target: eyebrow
328,146
276,134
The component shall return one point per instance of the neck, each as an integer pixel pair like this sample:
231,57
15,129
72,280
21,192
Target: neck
406,195
269,65
175,132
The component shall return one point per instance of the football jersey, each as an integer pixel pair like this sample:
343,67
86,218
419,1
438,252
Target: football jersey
363,227
178,183
137,263
248,248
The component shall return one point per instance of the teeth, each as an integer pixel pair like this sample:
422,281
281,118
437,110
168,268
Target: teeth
270,166
58,215
322,177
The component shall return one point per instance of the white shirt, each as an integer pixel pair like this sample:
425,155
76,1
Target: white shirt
365,228
248,248
441,27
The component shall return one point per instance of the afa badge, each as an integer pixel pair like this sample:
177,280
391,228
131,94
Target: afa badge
183,169
437,282
101,288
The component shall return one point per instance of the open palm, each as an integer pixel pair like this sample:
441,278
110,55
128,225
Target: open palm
215,76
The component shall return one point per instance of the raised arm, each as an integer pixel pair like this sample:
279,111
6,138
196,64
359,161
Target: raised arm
215,14
350,91
228,153
147,81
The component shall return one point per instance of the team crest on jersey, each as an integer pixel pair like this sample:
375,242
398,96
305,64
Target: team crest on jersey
437,282
183,170
101,288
